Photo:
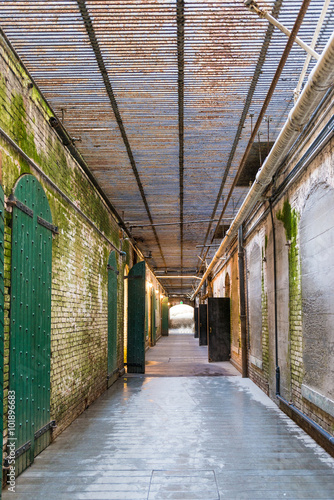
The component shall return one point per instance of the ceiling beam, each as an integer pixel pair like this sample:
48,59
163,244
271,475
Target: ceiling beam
103,70
180,81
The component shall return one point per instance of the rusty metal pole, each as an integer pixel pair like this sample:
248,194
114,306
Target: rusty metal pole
242,301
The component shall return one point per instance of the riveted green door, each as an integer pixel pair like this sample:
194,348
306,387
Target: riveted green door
1,314
112,318
30,330
164,317
136,319
153,314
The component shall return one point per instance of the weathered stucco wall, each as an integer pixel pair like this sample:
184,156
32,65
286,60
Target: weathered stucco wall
304,231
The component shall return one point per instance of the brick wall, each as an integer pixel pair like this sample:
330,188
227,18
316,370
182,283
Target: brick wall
79,325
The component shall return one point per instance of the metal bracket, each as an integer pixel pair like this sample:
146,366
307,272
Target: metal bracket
112,374
25,447
43,430
132,277
113,269
47,224
13,202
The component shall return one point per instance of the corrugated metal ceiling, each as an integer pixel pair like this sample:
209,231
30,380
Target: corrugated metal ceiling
160,94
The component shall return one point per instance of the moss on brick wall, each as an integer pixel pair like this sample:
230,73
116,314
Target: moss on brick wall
80,253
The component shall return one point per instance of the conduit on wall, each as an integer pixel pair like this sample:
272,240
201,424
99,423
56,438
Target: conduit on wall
320,79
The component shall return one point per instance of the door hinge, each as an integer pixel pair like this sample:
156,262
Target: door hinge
113,269
43,430
14,202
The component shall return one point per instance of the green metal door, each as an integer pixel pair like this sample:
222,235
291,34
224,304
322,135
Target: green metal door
112,317
164,317
153,313
30,342
136,319
1,315
147,317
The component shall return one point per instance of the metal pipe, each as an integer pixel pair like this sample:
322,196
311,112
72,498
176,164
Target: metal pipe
110,92
253,7
320,79
176,223
312,45
277,370
242,295
266,103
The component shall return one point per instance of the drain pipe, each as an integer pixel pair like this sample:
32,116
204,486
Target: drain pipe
242,295
320,80
277,370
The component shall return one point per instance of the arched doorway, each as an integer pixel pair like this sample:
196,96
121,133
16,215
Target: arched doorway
112,317
181,319
30,325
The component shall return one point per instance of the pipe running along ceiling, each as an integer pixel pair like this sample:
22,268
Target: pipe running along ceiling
162,97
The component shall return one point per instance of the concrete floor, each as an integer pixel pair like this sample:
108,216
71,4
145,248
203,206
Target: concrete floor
181,438
181,356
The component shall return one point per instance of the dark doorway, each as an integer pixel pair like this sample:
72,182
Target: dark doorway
219,329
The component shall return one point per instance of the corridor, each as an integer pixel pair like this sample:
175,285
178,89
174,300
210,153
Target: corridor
156,437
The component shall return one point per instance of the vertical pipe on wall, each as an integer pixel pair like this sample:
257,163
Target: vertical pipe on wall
275,299
242,295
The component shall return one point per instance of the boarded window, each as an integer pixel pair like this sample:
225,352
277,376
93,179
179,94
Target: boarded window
317,269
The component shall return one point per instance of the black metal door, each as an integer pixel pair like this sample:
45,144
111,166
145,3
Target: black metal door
203,324
219,328
196,322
